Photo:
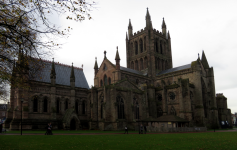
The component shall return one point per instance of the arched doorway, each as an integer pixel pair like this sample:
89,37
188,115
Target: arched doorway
73,124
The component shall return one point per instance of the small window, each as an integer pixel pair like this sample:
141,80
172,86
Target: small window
159,97
45,104
109,81
105,67
172,96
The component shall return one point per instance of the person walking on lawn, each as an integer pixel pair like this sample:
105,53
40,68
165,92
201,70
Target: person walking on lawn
141,129
126,130
145,129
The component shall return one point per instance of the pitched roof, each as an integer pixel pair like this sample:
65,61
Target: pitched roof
174,69
63,73
133,71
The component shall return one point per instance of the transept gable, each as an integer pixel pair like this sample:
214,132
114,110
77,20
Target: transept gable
106,66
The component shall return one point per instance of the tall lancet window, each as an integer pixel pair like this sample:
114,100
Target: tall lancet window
76,107
136,48
144,43
101,107
35,104
45,104
109,80
161,50
141,45
105,80
120,107
66,104
83,107
136,108
156,45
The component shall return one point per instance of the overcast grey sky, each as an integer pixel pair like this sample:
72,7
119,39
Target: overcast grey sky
194,25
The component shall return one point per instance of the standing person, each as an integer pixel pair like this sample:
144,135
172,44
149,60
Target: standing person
141,129
126,129
47,129
50,129
145,129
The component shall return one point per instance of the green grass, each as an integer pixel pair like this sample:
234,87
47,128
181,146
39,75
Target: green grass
217,140
72,131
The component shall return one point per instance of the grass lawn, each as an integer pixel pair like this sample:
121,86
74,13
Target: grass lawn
217,140
72,131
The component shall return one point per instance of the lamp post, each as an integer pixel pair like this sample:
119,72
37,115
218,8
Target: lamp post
21,114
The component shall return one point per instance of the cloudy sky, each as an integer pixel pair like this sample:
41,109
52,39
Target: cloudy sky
194,25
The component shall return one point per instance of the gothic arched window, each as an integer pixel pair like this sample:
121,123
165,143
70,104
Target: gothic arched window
161,50
109,80
105,67
159,112
101,83
35,104
45,104
156,46
83,107
144,43
159,97
120,107
136,65
136,48
172,111
66,104
57,106
141,45
105,80
76,107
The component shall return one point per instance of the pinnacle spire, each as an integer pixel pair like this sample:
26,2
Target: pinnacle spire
147,14
129,24
126,36
96,65
117,55
168,34
53,73
204,60
72,73
163,23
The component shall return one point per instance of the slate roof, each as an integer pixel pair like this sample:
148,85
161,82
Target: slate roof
133,71
174,69
63,73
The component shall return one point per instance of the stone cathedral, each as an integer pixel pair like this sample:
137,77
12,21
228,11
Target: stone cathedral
148,91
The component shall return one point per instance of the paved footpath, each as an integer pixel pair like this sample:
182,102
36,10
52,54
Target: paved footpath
234,130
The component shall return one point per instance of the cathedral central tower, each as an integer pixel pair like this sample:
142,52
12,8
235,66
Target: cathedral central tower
149,49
